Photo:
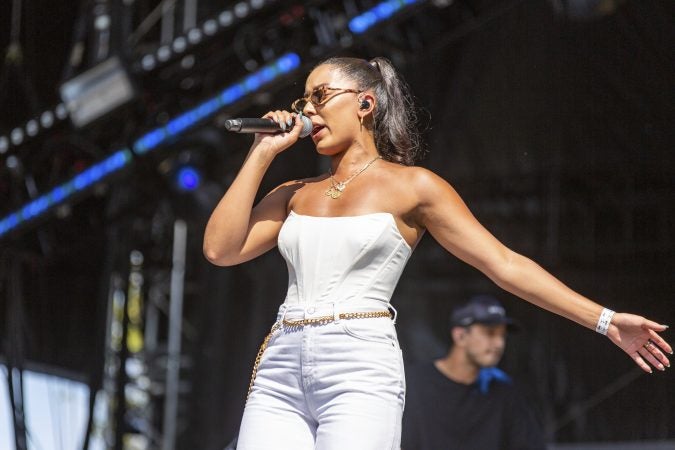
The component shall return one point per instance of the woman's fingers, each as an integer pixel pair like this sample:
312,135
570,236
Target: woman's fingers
649,357
639,338
277,142
641,362
655,326
660,342
285,119
652,345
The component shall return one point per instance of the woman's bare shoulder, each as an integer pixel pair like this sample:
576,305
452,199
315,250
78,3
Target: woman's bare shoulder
417,176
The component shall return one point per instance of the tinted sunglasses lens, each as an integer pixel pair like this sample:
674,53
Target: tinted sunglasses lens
317,97
299,105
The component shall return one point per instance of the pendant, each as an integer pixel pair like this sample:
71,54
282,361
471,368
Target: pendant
336,189
333,193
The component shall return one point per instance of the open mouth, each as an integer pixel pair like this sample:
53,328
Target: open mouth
317,129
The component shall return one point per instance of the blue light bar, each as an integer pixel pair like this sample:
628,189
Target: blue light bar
150,141
209,108
380,12
81,181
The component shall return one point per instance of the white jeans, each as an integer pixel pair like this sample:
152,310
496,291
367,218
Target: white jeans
327,387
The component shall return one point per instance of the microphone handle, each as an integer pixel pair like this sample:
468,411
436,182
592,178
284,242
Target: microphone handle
253,125
258,125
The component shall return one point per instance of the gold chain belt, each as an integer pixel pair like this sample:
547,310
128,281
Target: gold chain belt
321,320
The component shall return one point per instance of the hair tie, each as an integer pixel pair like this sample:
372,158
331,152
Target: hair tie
373,63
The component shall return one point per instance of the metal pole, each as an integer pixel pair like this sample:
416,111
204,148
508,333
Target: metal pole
174,347
168,22
189,15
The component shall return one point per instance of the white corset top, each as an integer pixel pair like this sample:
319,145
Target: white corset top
335,259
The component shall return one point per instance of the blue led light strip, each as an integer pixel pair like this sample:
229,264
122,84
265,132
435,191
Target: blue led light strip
79,183
380,12
231,94
149,141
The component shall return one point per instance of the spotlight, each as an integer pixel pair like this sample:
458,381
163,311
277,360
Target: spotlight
188,178
13,163
4,144
241,10
179,44
47,119
32,127
61,111
210,27
163,53
148,62
194,35
226,18
17,136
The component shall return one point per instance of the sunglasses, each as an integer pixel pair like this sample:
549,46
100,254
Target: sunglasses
318,97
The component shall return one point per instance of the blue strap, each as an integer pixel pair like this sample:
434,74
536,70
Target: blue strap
487,375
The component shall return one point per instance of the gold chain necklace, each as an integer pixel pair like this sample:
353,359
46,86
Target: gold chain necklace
337,187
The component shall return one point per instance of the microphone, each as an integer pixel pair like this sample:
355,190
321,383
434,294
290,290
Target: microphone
258,125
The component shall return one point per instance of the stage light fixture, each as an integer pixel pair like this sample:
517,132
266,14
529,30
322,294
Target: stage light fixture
97,92
380,12
4,144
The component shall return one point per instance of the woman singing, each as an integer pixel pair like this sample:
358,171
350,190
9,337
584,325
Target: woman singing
331,375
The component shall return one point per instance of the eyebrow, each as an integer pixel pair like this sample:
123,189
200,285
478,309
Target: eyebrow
305,94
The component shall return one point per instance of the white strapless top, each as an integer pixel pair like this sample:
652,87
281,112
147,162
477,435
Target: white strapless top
333,259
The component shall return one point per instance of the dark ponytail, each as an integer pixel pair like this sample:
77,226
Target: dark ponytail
395,118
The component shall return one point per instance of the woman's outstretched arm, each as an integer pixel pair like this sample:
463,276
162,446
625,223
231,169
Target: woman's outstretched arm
444,214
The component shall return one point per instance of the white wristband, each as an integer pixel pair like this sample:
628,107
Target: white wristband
604,320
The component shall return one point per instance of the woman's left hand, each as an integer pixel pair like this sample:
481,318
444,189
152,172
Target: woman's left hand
638,337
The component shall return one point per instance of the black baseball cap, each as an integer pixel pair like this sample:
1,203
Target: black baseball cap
484,309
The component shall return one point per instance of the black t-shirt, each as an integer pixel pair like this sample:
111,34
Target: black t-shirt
441,414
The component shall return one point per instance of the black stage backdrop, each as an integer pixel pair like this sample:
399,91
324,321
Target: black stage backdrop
558,134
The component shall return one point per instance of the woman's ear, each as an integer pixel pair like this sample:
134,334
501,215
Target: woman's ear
366,103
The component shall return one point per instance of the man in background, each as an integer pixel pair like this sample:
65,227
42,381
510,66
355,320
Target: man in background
463,401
